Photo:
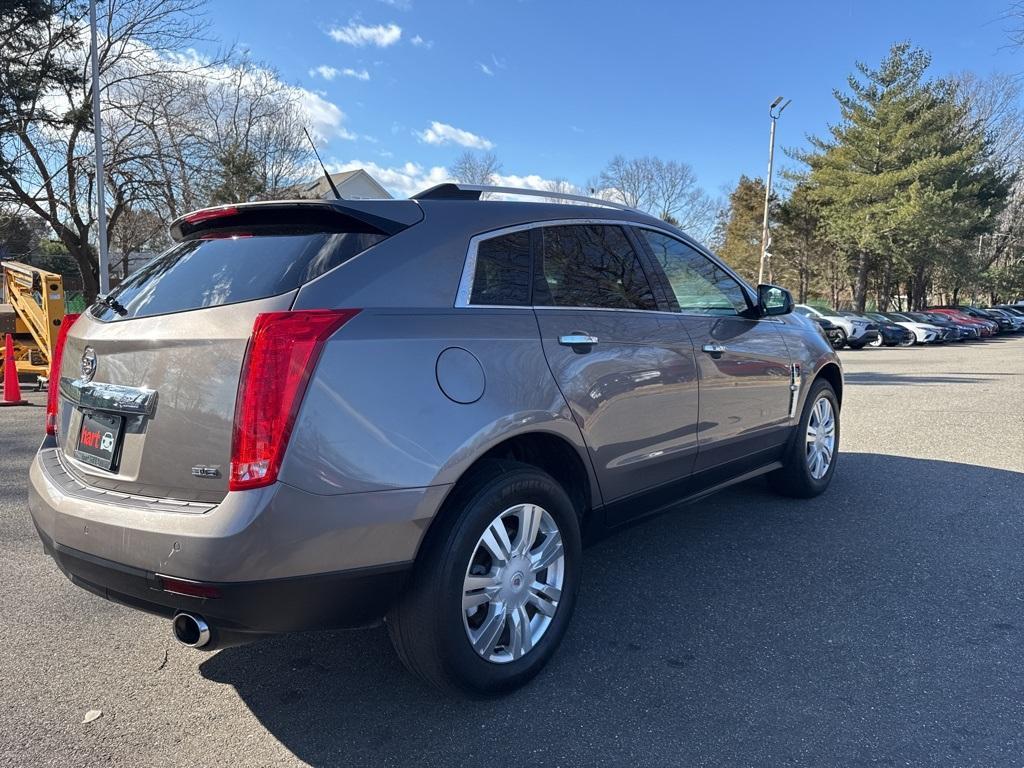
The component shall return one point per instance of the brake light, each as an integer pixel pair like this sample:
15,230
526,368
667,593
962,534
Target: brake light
282,353
211,213
53,388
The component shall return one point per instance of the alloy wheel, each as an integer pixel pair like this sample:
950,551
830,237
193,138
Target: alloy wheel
821,438
513,584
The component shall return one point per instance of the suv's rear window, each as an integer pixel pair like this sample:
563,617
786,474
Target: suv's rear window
227,270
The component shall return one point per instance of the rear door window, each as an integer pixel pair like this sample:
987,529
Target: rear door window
227,269
591,265
502,275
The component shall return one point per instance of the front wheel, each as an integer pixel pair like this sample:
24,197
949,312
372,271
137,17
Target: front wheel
810,458
494,589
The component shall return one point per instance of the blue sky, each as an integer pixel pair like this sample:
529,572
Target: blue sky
558,88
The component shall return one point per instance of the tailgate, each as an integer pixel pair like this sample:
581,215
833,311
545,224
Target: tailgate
171,380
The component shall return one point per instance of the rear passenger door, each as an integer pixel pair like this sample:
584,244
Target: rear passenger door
745,367
626,369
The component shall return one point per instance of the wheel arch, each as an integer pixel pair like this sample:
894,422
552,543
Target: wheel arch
831,373
548,451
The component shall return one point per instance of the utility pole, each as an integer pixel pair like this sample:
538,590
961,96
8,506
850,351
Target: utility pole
765,254
101,192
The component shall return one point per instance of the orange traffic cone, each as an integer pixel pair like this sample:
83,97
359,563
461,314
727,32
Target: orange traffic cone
12,389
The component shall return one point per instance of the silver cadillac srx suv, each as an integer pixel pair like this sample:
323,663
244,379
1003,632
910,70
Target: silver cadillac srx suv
322,414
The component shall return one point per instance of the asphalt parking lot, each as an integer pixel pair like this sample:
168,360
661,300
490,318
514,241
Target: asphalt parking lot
880,624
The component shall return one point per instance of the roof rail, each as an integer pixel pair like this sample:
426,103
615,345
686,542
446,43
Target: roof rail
451,191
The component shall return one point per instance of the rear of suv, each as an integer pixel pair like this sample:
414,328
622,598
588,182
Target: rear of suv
321,414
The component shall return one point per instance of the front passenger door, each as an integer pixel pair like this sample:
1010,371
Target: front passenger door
744,364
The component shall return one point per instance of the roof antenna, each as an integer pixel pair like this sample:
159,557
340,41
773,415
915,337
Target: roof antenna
334,189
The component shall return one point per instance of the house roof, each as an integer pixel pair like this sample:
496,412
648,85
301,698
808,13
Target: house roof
345,178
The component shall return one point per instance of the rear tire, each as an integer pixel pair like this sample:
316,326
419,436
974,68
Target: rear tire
840,339
801,475
509,630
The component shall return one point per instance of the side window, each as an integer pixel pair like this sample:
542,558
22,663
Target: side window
591,265
699,285
502,274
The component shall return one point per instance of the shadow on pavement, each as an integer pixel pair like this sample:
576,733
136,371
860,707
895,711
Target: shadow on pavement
879,623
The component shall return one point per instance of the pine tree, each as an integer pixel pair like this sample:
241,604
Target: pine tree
902,180
739,235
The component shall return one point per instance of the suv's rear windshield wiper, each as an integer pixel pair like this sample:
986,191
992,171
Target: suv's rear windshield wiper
114,304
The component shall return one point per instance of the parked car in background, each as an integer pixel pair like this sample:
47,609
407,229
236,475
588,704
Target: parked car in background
835,335
890,334
1002,324
324,413
986,326
1017,309
924,333
857,332
957,331
1016,321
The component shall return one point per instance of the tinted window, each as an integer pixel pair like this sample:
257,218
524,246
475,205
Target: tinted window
503,270
698,283
591,265
227,270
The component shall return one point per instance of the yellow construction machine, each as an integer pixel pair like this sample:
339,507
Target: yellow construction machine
32,309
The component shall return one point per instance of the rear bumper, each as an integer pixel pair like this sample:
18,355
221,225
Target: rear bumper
323,601
282,559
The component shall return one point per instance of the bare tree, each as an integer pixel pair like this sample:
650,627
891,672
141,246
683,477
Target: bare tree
476,168
45,138
629,181
665,188
562,186
180,131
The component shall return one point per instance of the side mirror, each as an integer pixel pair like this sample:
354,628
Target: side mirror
772,300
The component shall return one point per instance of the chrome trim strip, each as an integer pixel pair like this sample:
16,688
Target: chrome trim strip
795,379
465,291
117,398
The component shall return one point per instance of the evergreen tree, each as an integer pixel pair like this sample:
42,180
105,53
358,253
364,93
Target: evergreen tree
903,180
739,236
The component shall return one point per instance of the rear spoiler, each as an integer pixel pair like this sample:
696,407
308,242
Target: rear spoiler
383,217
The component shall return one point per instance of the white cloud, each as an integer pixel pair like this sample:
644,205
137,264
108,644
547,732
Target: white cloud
325,118
419,42
358,74
402,5
327,73
361,35
485,69
409,178
403,180
442,133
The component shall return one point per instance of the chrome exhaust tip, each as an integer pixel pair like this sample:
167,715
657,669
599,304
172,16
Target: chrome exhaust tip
190,630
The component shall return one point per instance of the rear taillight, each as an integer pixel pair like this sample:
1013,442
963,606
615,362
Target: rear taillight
282,353
53,389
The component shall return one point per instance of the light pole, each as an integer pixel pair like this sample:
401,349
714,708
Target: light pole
101,192
768,186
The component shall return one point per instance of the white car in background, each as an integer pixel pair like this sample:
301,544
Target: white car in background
925,333
858,333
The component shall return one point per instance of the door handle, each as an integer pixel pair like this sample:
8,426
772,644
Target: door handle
577,339
713,349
